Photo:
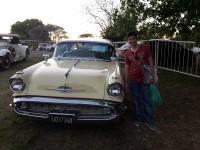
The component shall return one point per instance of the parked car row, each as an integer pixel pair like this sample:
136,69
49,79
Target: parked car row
46,47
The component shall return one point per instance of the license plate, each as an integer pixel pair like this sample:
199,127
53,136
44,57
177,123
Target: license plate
61,119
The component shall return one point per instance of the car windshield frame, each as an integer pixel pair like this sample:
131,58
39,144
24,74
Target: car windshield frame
82,50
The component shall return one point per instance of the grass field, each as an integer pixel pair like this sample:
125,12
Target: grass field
177,120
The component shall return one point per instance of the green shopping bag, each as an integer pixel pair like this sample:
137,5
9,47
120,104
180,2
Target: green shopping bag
155,97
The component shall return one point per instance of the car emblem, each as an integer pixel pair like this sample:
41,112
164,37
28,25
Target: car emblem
64,89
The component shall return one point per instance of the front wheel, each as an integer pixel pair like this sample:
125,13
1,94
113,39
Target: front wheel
6,63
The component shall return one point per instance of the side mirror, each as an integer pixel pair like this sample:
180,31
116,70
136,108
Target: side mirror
113,59
46,57
117,55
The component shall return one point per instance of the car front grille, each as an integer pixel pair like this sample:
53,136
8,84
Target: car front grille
46,108
82,109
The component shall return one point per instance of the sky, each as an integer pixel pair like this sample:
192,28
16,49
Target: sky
68,14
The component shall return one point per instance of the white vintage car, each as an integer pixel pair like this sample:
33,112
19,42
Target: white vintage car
82,82
11,50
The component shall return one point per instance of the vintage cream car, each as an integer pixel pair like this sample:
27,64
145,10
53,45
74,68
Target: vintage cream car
11,50
82,82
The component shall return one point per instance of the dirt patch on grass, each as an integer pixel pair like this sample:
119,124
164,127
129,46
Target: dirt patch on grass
177,121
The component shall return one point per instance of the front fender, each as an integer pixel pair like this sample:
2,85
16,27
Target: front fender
25,76
3,52
114,76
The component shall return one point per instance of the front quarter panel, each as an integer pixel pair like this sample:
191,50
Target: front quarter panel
3,52
114,75
25,76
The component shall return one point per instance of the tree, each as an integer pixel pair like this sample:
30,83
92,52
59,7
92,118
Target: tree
177,19
101,12
22,28
86,35
172,19
125,19
56,33
39,33
116,20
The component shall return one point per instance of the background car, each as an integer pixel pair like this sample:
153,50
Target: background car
121,50
51,48
42,46
11,50
82,82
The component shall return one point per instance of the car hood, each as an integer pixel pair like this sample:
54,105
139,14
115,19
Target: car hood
70,78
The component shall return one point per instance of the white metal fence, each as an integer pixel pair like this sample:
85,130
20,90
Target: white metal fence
32,44
178,56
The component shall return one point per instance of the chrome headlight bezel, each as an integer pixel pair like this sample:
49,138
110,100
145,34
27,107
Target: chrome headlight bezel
115,90
17,85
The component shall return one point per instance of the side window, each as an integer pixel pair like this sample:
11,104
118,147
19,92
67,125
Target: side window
98,48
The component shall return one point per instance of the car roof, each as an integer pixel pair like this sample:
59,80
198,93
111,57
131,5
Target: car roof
125,46
9,35
95,40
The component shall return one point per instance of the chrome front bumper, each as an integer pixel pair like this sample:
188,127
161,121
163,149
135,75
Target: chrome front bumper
82,110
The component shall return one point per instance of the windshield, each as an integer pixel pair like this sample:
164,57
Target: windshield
84,50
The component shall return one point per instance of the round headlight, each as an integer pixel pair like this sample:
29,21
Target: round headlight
115,90
17,85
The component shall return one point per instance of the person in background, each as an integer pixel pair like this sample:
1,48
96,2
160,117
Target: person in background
134,59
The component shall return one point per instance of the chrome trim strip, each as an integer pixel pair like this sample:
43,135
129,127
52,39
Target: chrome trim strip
63,101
